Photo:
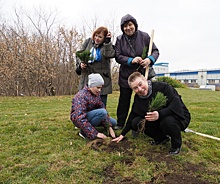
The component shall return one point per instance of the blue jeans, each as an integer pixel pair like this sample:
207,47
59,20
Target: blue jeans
95,117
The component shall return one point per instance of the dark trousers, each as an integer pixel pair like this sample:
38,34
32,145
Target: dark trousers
104,99
158,130
123,105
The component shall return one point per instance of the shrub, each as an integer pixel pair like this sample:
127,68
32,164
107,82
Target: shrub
173,82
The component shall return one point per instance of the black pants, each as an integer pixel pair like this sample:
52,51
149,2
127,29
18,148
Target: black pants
104,99
123,105
158,130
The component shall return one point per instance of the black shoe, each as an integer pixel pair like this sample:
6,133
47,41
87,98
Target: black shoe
117,127
163,141
174,151
82,134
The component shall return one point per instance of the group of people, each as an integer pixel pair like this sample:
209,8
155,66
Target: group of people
89,104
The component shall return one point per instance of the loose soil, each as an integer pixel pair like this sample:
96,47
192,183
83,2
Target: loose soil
181,174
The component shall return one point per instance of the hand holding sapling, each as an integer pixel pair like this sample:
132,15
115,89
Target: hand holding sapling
156,104
84,56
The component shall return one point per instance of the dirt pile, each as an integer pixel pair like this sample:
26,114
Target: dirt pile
187,173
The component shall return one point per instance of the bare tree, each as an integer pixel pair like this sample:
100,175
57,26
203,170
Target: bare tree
37,55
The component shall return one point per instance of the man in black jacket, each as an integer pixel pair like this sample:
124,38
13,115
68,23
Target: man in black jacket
163,124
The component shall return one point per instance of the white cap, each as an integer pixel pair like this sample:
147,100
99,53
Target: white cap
95,79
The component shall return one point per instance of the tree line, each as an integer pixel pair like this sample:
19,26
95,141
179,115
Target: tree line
38,60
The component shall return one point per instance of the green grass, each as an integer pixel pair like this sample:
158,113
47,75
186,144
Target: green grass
40,145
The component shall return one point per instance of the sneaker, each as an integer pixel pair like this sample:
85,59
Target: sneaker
82,134
174,151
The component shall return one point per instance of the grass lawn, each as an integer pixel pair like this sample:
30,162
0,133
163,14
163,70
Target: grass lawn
39,144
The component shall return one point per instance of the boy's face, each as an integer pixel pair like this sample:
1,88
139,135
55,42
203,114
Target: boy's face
140,86
96,90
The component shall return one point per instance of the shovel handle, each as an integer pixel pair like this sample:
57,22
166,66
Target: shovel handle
149,52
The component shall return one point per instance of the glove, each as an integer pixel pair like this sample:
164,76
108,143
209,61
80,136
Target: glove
107,40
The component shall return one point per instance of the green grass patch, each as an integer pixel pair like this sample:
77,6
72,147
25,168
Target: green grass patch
39,144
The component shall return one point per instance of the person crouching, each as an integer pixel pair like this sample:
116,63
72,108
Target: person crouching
162,125
88,111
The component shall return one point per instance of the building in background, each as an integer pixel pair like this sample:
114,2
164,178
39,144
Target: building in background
161,68
199,77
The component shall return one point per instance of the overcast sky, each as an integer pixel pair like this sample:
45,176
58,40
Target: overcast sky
187,32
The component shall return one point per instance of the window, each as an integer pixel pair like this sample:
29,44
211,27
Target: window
211,81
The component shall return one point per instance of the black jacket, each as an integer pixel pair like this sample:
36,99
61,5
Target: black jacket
174,106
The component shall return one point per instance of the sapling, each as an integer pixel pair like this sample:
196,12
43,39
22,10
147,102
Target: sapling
157,103
107,126
143,55
84,56
109,130
144,52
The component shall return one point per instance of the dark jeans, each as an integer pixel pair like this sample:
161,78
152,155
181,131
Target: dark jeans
158,130
104,99
123,105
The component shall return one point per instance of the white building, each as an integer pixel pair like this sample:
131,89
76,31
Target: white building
161,68
199,77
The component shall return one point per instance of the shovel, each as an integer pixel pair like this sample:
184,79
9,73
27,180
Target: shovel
149,52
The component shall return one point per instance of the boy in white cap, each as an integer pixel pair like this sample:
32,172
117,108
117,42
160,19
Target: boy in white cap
88,111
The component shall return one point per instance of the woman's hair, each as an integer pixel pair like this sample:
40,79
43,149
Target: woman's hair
134,76
100,30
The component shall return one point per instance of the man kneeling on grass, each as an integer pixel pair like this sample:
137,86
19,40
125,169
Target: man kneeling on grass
88,111
162,124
